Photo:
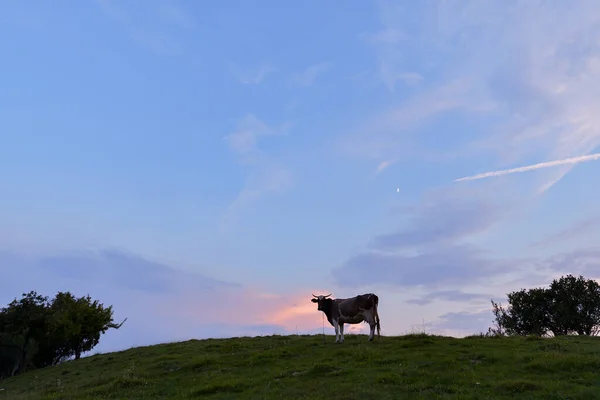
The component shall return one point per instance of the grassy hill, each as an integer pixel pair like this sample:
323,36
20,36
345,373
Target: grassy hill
304,367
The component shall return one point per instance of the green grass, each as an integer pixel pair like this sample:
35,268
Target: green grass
304,367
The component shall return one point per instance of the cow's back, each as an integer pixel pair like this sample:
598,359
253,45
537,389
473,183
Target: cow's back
354,305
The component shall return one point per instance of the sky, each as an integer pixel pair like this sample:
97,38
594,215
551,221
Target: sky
204,167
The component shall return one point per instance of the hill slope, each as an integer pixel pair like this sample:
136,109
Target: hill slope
304,367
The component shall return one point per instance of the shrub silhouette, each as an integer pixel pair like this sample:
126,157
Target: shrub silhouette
36,332
568,306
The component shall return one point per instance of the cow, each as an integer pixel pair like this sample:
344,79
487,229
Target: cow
354,310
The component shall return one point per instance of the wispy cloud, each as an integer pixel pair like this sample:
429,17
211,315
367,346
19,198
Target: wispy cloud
384,165
160,28
266,176
124,269
411,78
548,164
388,35
433,269
267,179
391,77
449,295
582,227
310,74
244,140
535,80
388,42
391,134
431,248
253,76
580,261
175,14
442,218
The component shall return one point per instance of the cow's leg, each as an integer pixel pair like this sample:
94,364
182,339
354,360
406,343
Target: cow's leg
371,321
341,332
337,327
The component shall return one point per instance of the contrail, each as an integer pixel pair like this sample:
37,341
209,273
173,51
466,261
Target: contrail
572,160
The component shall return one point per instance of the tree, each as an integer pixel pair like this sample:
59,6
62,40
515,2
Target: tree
26,321
575,304
48,332
79,323
527,314
568,306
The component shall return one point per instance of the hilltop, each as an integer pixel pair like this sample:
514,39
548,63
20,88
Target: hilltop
305,367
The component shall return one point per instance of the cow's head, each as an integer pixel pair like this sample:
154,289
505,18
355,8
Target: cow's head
321,301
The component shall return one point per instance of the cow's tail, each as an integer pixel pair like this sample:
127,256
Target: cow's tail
376,314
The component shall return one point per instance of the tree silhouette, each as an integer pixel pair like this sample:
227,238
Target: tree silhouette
47,332
568,306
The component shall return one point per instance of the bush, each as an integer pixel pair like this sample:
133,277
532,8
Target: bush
568,306
36,332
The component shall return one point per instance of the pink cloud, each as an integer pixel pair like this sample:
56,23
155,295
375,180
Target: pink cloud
290,313
243,307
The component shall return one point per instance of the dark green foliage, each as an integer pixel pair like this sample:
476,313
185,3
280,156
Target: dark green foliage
568,306
48,332
78,323
402,367
528,314
10,356
575,306
25,323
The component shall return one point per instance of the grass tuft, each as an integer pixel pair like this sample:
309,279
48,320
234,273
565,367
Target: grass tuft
219,387
518,386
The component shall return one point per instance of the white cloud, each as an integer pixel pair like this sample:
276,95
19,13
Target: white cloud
310,74
578,229
266,176
253,76
384,165
176,14
244,139
390,134
533,68
266,180
154,26
386,36
410,78
548,164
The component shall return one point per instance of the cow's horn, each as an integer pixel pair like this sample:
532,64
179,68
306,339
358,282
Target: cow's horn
315,296
328,295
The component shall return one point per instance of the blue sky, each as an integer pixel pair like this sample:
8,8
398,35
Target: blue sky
204,167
